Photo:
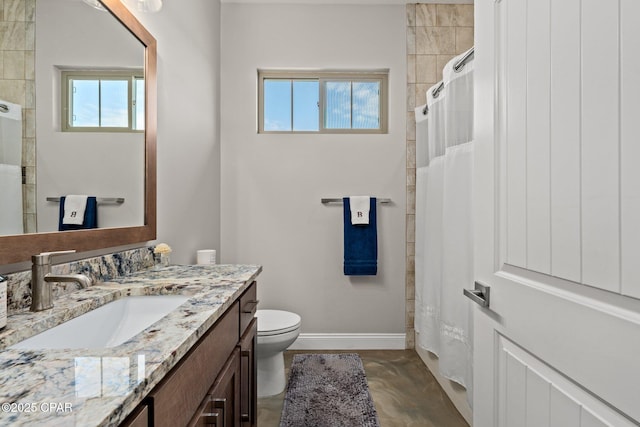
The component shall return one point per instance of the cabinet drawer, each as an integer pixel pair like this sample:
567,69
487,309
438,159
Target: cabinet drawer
178,396
248,307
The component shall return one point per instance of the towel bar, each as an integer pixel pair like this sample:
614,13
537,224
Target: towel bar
105,200
339,201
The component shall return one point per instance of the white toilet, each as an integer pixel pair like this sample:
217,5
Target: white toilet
277,330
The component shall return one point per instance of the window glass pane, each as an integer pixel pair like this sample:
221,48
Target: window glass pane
349,102
337,108
366,105
138,112
114,103
305,105
85,96
277,105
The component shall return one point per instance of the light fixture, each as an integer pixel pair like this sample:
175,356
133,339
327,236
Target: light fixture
95,3
148,6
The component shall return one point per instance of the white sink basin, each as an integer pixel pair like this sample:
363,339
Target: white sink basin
107,326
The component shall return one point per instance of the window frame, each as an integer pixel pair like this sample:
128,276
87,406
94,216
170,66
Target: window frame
131,76
324,76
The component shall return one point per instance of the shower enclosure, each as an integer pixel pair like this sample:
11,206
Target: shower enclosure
444,233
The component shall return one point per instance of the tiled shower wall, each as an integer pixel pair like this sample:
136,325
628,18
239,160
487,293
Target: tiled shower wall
17,85
435,34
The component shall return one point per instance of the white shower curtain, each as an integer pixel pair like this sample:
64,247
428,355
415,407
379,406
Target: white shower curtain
11,221
444,233
11,206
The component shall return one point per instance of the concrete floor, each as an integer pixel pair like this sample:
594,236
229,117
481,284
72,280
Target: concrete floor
404,392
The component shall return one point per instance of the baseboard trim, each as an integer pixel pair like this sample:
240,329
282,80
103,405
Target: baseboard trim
349,342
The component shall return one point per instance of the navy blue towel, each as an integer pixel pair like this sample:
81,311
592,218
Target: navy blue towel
360,243
90,216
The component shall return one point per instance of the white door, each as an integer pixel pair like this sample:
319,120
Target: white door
557,202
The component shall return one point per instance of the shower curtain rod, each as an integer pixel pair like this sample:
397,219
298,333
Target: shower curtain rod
456,67
466,58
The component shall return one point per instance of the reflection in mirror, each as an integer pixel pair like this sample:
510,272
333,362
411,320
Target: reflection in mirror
106,161
72,37
109,162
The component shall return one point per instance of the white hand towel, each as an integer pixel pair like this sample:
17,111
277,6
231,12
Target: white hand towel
359,209
74,207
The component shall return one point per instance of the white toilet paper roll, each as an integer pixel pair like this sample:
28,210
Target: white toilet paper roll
206,256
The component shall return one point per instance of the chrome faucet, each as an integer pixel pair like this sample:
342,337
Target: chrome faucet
41,298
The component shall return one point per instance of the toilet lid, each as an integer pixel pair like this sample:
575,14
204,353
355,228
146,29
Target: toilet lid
273,322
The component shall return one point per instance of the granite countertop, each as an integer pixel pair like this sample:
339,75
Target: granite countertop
100,387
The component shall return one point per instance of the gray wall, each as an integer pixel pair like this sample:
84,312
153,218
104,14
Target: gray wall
188,125
272,184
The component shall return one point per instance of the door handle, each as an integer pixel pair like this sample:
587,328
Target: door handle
479,295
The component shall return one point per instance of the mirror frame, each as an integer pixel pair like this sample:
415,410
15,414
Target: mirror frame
20,248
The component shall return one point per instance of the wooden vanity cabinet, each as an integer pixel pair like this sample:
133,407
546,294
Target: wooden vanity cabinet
176,399
214,384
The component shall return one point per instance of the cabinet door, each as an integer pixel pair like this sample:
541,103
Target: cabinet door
248,376
222,407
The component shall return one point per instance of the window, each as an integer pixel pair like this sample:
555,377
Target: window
103,101
322,101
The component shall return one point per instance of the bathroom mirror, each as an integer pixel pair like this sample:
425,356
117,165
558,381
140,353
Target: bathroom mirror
19,248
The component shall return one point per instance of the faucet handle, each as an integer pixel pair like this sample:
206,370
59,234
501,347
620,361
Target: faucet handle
45,257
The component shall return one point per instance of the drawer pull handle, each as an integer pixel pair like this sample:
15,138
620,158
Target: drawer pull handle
252,306
245,361
211,418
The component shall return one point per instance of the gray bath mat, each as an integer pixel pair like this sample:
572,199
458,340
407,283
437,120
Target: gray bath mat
328,390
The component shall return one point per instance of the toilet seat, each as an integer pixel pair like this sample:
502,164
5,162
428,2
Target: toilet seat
276,322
